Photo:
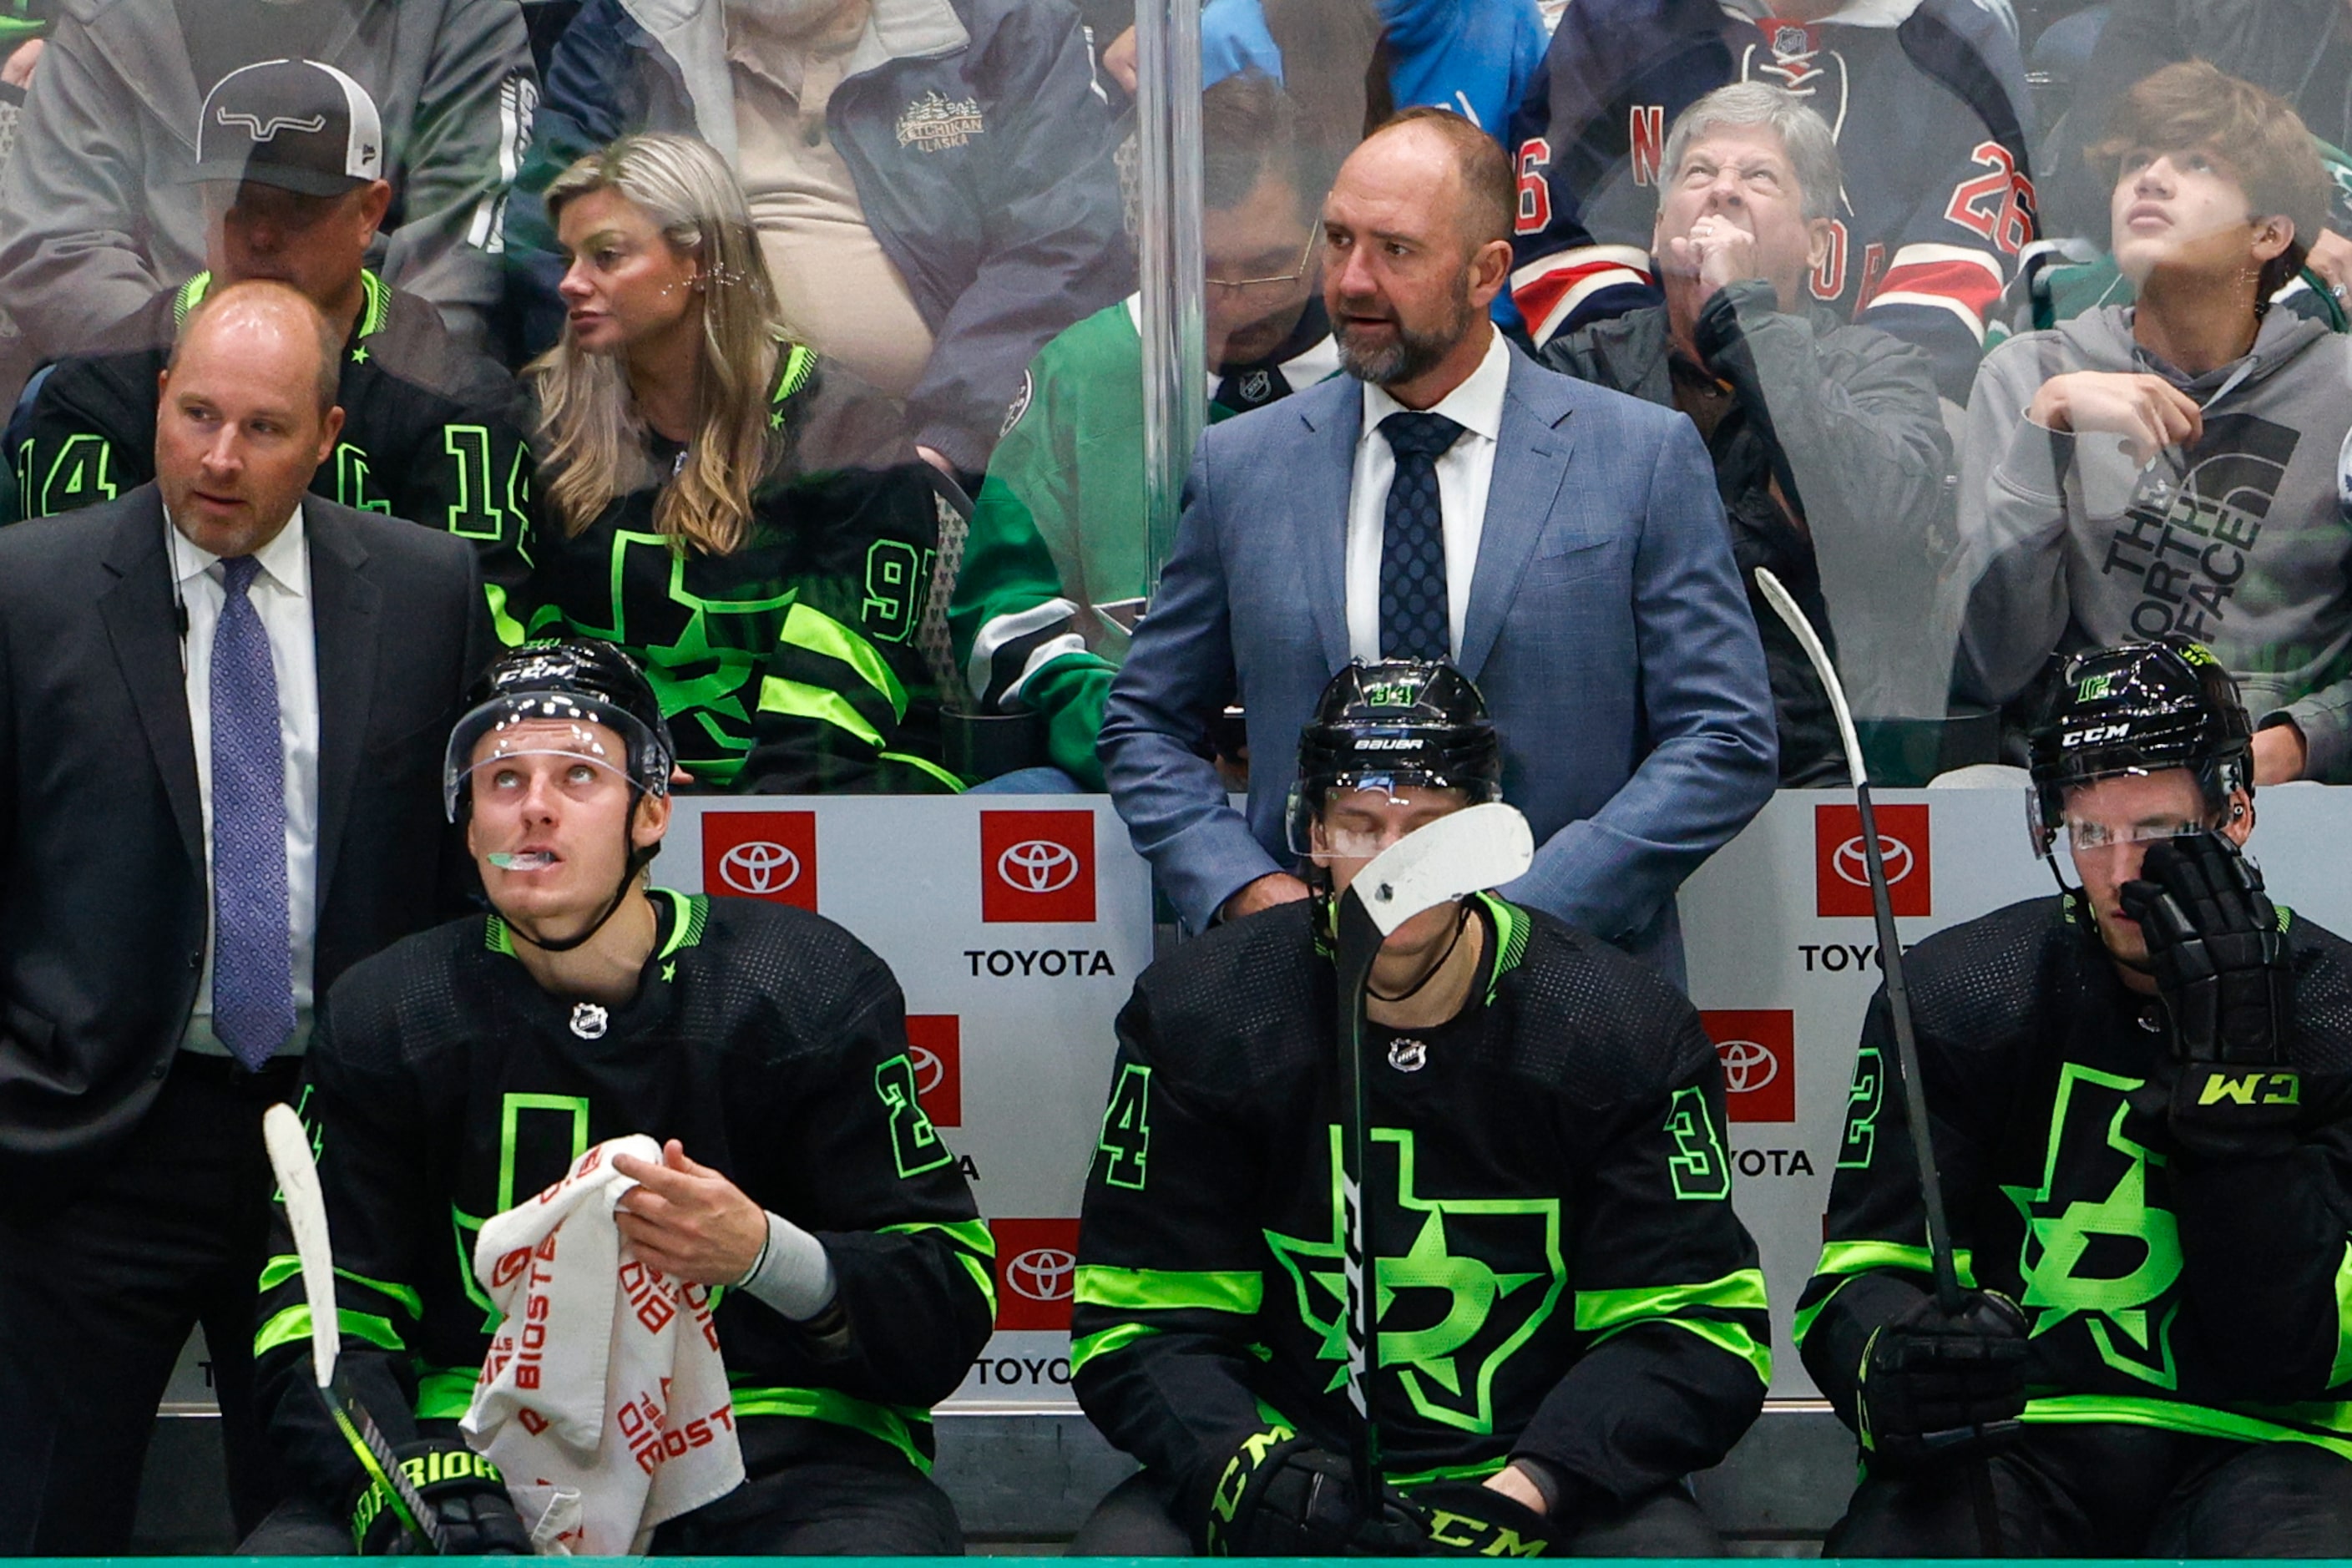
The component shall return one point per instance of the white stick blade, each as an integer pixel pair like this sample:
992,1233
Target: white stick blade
1467,852
288,1143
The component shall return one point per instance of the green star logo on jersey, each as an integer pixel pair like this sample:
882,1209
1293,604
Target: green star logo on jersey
2115,1261
1447,1355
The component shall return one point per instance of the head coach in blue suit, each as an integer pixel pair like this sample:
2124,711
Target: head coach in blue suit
1561,544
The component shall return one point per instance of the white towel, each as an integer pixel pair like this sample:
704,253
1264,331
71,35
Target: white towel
604,1399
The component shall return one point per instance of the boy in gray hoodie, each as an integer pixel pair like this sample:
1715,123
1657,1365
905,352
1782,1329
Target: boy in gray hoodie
2177,465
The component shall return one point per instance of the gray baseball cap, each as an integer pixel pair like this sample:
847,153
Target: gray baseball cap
301,125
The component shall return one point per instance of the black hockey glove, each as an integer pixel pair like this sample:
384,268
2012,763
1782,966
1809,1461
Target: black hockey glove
1936,1387
1281,1496
2227,987
1466,1519
465,1492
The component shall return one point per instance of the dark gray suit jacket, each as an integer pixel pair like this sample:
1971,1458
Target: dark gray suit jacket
1607,627
102,885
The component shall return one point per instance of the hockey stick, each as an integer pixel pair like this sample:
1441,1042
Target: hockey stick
1470,850
1940,1256
306,1214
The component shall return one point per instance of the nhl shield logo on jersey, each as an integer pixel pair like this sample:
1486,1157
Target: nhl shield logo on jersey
934,122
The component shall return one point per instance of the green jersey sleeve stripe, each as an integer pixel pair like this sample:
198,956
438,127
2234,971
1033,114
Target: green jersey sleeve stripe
803,701
2342,1371
445,1394
924,765
982,1277
294,1323
1168,1289
510,630
812,629
971,1233
1847,1257
1118,1338
1729,1337
1597,1310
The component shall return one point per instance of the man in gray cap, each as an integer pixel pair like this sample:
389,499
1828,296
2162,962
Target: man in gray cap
290,154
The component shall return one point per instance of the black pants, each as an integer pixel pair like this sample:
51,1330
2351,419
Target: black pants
99,1290
2114,1491
1134,1520
857,1506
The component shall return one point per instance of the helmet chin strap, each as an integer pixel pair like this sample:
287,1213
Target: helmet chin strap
639,856
1461,923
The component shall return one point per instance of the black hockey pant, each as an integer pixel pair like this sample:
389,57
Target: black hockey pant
2114,1491
1134,1520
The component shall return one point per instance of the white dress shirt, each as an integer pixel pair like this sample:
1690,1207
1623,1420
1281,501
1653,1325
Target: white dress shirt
1463,474
280,595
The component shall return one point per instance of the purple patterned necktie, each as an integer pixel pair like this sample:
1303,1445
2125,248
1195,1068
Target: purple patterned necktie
253,963
1416,621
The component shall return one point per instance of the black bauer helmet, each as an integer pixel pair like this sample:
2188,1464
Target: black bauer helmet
575,678
1396,723
2141,708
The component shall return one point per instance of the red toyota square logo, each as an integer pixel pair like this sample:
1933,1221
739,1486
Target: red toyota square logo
1037,866
935,1048
1037,1260
768,855
1842,874
1757,1048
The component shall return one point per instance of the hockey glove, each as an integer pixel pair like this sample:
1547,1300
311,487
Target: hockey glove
1936,1387
1281,1496
2227,987
467,1494
1465,1518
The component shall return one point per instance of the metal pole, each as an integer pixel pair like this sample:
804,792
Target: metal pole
1168,247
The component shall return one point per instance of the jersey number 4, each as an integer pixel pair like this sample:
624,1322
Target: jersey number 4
1126,1140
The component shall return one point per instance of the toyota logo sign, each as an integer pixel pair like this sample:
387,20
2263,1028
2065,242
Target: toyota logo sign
1042,1274
1852,860
1746,1066
1037,866
759,867
929,1071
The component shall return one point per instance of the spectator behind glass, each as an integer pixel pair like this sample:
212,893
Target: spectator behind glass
99,208
1448,498
2300,49
429,431
931,180
701,497
1060,519
1827,440
1936,200
2173,466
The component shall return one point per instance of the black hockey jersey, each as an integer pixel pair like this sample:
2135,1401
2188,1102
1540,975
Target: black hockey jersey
1927,100
1560,1271
2160,1289
429,430
443,1086
811,658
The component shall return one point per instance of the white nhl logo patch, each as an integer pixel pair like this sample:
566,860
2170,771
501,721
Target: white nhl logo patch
934,123
590,1021
1408,1056
1788,42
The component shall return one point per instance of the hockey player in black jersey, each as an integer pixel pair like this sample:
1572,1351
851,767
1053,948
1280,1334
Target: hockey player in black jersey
461,1071
2140,1094
1572,1318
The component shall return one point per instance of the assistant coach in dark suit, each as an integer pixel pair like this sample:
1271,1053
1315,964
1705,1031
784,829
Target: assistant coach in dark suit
222,708
1449,498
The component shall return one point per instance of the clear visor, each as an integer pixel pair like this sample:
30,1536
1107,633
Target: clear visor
2086,840
1390,799
493,738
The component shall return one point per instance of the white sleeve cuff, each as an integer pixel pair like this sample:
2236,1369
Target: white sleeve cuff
794,1274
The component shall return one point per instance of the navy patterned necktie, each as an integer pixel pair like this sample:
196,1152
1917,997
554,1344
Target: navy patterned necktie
1415,622
253,963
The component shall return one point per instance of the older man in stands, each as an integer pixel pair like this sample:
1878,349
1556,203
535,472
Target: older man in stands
429,428
1829,443
99,207
222,708
1449,498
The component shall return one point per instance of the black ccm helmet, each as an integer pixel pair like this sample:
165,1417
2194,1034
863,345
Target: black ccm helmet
1395,723
575,678
2141,708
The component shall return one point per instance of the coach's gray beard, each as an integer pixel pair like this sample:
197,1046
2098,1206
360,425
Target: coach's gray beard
1409,355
